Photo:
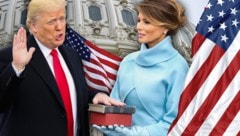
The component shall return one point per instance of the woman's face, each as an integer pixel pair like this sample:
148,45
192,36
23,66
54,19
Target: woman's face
148,33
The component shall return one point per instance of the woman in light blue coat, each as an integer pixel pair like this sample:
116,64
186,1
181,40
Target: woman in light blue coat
152,79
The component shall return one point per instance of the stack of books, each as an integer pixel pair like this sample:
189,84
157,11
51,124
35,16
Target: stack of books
111,115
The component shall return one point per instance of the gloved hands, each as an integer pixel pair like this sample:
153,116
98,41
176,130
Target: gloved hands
122,131
107,130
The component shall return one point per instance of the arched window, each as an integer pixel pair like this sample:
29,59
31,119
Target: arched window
94,13
24,17
127,17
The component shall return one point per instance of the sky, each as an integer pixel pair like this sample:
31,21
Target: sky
194,9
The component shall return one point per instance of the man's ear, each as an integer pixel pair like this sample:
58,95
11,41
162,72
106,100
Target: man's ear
32,27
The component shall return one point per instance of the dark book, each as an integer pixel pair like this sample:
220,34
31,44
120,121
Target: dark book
105,119
111,109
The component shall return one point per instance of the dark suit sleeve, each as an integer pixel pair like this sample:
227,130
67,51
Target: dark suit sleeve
92,93
8,79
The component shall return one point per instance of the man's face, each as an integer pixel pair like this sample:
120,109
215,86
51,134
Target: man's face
49,28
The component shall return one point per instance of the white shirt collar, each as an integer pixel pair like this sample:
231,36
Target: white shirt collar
45,50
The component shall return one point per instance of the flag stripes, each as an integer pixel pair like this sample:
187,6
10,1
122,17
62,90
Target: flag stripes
228,116
194,83
208,102
214,95
201,81
197,41
100,66
220,107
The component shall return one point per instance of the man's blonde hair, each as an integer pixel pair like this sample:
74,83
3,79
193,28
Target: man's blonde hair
36,7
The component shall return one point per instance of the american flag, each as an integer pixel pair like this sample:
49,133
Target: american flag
210,102
100,66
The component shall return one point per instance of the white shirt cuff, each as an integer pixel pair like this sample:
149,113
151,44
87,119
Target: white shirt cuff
18,72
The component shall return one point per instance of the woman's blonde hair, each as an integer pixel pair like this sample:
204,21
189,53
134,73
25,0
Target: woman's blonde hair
166,13
36,7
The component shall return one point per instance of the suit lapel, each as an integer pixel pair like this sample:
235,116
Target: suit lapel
73,62
40,65
70,60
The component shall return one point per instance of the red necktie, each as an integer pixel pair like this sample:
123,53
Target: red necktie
64,90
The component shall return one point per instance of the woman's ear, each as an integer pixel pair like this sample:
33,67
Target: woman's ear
165,31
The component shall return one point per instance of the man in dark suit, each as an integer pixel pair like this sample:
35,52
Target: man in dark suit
28,83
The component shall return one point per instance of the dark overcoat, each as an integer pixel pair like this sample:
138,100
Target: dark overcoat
37,108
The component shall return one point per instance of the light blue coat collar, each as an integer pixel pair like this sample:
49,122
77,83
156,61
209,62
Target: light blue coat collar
161,52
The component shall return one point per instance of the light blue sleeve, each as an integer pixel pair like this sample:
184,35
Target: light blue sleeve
122,81
172,102
115,93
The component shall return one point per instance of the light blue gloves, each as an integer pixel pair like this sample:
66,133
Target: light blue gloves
122,131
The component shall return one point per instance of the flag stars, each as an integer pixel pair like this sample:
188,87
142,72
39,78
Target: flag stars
200,20
209,5
223,26
235,22
221,14
78,43
233,11
209,17
220,2
224,38
220,23
211,29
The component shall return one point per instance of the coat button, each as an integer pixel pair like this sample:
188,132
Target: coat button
63,115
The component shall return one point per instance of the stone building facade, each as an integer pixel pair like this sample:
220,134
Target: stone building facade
108,23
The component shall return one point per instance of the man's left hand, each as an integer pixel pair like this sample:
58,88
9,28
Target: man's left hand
106,100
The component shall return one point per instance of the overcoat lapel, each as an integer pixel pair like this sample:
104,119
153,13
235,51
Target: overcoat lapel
75,71
40,65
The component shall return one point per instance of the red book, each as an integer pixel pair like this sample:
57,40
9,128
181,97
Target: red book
106,119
